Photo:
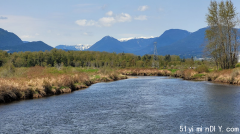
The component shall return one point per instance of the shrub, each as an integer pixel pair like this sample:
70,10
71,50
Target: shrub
212,76
47,87
198,75
201,69
105,71
235,73
237,65
8,70
188,74
67,81
8,93
113,76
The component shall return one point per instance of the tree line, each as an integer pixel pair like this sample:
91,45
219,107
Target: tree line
57,57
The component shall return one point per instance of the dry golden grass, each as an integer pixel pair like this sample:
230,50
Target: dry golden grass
145,72
189,73
38,82
231,76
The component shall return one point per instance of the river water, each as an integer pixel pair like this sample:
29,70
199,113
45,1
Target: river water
140,105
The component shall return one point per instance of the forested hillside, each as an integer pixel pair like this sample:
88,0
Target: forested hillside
29,46
166,39
192,45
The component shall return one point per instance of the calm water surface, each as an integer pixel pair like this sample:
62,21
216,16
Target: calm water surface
139,105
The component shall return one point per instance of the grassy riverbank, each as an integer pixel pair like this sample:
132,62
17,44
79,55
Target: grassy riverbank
229,76
37,82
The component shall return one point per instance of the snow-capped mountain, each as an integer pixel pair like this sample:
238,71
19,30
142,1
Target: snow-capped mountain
130,38
74,47
82,47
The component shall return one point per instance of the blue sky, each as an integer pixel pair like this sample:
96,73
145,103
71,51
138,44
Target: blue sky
74,22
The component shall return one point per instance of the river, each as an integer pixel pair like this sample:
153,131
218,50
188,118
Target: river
140,105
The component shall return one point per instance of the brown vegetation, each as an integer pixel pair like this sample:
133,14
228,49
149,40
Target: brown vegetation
145,72
202,69
37,82
186,74
230,76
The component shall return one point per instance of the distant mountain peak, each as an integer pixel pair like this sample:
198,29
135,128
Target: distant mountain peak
107,37
176,31
108,44
9,39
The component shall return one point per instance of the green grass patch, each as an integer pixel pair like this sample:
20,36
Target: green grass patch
87,70
237,65
173,70
62,87
198,75
76,84
210,70
97,76
54,87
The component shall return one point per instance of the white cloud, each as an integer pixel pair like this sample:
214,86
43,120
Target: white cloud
141,17
110,13
123,17
107,21
91,23
86,22
81,22
143,8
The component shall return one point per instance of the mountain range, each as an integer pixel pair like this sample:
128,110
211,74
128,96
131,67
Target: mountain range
12,43
30,46
167,38
173,42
